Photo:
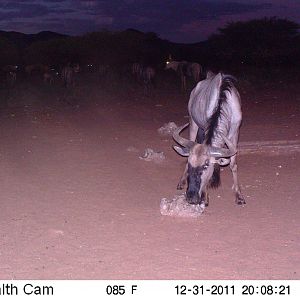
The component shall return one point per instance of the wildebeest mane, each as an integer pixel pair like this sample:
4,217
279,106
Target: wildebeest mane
226,85
200,136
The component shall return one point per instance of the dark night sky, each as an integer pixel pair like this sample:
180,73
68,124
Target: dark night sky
175,20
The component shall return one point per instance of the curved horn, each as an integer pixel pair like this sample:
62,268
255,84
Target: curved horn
180,140
223,152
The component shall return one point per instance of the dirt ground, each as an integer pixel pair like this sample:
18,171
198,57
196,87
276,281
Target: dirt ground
78,203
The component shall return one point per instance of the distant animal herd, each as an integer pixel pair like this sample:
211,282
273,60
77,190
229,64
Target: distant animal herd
143,74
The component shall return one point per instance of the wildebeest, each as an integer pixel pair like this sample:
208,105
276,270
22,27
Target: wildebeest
102,70
144,75
185,69
10,68
9,75
68,74
136,70
11,79
215,117
36,69
90,68
49,76
147,77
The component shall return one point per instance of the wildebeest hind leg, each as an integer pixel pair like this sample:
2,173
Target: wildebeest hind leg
239,198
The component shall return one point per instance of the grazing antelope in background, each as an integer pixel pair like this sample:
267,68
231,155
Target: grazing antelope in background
10,68
10,75
11,79
185,70
215,118
103,70
36,69
147,76
49,76
144,75
68,74
90,68
136,70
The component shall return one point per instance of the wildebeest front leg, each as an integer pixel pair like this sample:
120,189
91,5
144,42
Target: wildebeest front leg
192,135
205,198
183,180
239,198
183,83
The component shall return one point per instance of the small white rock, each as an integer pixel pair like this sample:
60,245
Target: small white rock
167,129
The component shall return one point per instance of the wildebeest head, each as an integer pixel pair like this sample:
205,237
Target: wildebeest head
171,65
201,163
76,68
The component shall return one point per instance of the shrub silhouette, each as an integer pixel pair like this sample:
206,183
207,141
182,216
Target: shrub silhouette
261,42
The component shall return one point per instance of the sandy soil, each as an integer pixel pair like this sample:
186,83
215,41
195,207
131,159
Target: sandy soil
78,203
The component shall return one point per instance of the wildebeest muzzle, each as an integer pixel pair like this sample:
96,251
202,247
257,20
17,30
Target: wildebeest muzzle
194,184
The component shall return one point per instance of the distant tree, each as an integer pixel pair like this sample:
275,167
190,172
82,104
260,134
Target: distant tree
119,49
8,53
54,52
266,41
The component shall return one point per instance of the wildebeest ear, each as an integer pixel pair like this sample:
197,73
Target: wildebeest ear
182,151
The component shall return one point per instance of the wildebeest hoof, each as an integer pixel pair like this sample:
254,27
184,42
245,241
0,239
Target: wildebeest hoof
240,200
180,186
